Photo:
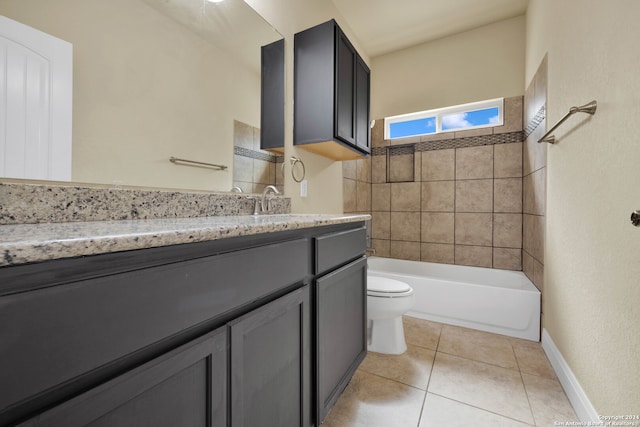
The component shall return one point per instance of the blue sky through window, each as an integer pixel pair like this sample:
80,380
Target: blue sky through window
487,116
413,127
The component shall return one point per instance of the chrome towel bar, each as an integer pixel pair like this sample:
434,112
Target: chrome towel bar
175,160
589,108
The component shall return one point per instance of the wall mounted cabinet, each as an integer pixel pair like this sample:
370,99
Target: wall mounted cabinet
331,94
272,97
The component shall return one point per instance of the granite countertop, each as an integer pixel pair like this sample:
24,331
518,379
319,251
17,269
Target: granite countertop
27,243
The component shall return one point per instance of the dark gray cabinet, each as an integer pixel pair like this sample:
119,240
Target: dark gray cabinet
331,94
272,97
271,363
186,387
341,305
254,330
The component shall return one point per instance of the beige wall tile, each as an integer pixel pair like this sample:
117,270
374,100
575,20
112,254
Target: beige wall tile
473,132
348,195
438,227
363,196
437,137
404,141
527,264
533,235
380,225
538,274
474,162
242,168
438,196
507,230
261,172
363,169
476,256
405,250
438,165
507,195
382,247
473,229
381,197
401,168
378,169
437,252
535,192
349,168
513,112
242,135
405,196
474,195
507,259
507,160
405,226
377,134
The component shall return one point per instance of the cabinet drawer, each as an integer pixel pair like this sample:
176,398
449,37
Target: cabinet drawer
54,334
335,249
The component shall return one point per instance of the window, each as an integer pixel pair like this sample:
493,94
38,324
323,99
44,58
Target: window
459,117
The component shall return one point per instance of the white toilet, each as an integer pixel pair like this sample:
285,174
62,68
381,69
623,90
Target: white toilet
387,300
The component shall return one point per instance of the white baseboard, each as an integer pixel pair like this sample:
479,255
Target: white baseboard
577,397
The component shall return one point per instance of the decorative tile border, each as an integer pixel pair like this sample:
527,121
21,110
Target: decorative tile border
445,144
259,155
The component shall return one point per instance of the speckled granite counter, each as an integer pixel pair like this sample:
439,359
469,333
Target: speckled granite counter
26,243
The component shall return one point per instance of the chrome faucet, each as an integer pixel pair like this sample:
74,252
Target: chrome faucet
267,190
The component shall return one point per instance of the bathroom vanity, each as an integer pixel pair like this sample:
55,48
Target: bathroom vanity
196,322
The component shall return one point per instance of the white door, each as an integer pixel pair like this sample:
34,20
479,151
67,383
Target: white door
35,103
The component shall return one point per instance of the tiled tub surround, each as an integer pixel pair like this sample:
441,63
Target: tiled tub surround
535,176
462,203
253,168
22,203
25,243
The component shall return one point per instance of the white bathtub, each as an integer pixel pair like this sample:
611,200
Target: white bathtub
499,301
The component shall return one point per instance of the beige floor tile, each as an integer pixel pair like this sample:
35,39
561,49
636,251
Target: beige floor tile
531,358
485,386
477,345
548,401
439,411
371,401
411,368
422,333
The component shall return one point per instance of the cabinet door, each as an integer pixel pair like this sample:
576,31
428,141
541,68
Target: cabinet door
345,89
341,307
270,364
185,387
272,96
362,105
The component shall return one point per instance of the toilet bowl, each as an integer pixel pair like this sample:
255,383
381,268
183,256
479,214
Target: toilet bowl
387,300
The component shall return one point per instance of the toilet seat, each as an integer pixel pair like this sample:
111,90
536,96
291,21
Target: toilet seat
384,287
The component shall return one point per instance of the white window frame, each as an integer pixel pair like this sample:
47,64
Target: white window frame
439,113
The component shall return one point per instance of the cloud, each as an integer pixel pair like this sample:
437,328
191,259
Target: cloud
495,120
455,121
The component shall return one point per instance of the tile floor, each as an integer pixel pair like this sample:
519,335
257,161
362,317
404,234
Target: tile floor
452,376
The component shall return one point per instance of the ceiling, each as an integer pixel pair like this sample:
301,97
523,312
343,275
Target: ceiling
383,26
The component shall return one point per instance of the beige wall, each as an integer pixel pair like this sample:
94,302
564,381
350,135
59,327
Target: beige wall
324,176
484,63
591,254
145,89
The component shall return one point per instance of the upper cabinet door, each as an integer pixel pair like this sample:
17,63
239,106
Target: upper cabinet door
35,103
331,94
345,89
272,97
363,130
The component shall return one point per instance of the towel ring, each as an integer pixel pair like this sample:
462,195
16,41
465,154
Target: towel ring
294,161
